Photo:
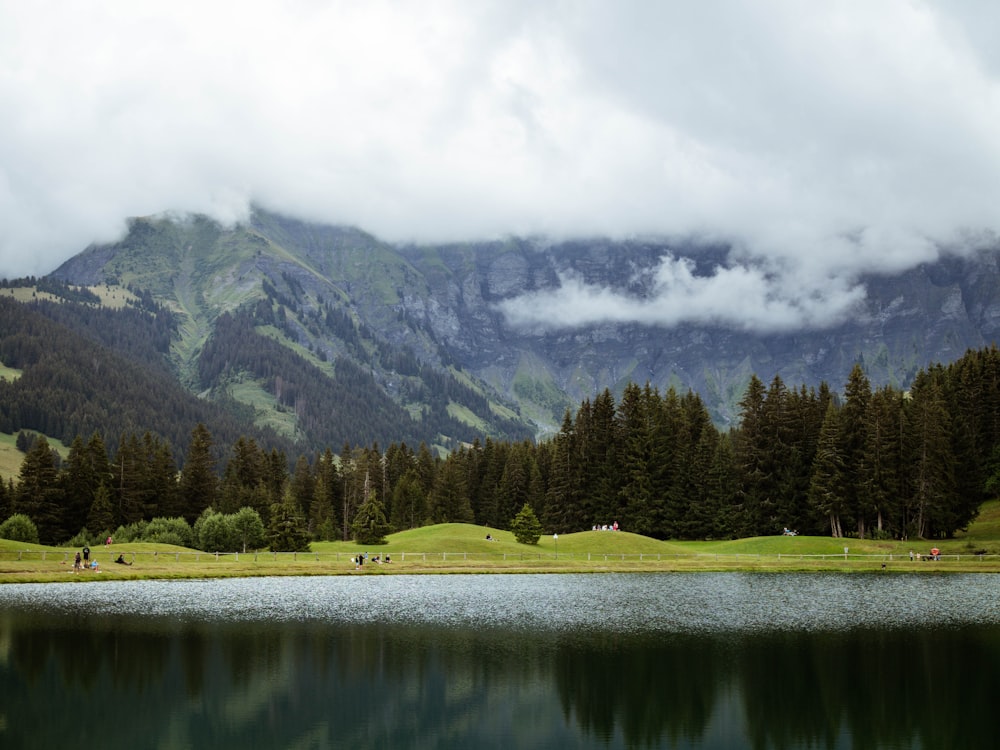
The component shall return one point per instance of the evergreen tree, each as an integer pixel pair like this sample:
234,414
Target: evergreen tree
409,504
448,501
6,499
323,517
526,526
930,461
639,508
826,489
245,474
855,447
302,485
101,517
515,481
39,494
370,525
199,484
752,448
79,483
882,489
287,530
563,509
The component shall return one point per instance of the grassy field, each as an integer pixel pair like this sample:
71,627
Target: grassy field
464,548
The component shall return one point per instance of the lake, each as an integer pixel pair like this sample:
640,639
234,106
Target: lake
698,661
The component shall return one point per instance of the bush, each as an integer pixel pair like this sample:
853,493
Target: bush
169,531
214,532
132,533
19,528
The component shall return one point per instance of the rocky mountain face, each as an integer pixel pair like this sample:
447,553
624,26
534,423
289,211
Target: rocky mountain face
441,304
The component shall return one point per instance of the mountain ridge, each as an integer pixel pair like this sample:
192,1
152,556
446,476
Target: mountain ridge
441,305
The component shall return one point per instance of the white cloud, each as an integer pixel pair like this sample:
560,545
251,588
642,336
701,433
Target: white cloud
824,142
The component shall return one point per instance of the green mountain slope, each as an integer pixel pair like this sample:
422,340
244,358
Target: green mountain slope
268,316
424,323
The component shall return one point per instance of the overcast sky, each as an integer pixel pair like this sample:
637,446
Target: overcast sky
823,140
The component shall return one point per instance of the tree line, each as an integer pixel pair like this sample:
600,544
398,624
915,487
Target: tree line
883,463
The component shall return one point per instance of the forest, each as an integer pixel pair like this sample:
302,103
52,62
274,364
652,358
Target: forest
870,463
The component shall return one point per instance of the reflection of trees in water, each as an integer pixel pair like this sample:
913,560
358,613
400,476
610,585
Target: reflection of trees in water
881,689
649,690
260,685
886,689
275,685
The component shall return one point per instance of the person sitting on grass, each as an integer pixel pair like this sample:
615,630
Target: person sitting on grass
121,560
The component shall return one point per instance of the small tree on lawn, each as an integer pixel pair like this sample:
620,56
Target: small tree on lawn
370,525
526,527
248,528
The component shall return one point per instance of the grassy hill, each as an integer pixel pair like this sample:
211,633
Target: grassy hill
464,548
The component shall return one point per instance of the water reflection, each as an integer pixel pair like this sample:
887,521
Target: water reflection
76,668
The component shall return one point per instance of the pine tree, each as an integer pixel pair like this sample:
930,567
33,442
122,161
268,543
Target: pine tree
752,446
287,529
562,511
526,526
448,501
79,484
370,525
826,489
855,447
39,494
199,484
101,517
635,457
930,461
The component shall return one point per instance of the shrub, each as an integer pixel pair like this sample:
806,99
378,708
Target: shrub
169,531
19,528
214,532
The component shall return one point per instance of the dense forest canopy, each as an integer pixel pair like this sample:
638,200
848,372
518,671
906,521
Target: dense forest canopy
869,463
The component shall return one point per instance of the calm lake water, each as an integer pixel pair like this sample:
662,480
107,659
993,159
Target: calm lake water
510,661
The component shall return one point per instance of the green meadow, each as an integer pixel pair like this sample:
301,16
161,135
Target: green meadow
464,548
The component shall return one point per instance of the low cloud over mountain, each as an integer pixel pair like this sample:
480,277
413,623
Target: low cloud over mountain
822,143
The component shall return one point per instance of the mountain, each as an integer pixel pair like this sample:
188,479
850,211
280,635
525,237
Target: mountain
328,334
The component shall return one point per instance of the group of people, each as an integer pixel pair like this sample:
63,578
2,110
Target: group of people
82,560
362,558
605,527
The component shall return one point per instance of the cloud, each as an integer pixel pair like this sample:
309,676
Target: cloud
741,297
821,142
